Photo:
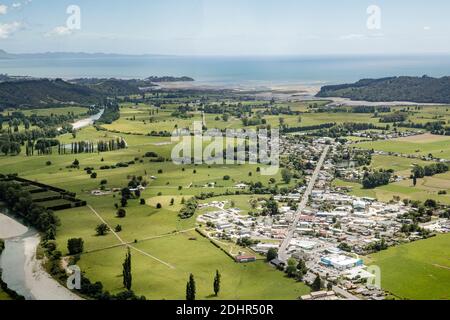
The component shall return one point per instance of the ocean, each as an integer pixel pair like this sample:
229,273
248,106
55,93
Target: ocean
308,70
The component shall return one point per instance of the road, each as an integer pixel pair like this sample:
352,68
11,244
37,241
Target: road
344,293
282,254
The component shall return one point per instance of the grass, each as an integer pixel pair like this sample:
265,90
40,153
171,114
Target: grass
438,146
160,232
401,166
4,296
153,229
418,270
49,111
426,188
255,281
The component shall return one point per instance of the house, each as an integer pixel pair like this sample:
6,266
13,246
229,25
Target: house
245,259
277,263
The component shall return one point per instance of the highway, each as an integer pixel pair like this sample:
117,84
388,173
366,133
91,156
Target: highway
282,254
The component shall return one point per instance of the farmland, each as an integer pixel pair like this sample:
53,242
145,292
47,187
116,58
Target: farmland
165,248
418,270
422,145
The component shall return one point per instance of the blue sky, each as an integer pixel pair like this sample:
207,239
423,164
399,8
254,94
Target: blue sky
231,27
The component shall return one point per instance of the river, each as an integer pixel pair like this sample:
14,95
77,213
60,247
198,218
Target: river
85,122
22,271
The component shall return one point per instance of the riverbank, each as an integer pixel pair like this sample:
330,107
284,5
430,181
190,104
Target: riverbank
80,124
9,228
22,270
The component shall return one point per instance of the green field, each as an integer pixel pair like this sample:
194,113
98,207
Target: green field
167,249
49,111
423,145
418,270
157,281
426,188
4,296
153,229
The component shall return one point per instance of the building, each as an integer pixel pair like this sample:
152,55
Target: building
340,262
245,259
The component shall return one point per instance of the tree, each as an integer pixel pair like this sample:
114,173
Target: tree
286,176
127,277
217,283
121,213
271,207
291,268
345,247
102,229
190,288
430,203
75,246
301,266
317,284
414,181
272,254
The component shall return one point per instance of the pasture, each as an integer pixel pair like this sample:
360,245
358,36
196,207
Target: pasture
419,270
153,232
421,145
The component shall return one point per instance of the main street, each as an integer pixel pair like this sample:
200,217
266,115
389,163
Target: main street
282,252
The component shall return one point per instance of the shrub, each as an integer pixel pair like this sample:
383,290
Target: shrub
121,213
102,229
75,246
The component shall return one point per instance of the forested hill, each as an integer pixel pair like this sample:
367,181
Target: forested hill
16,92
114,87
44,92
415,89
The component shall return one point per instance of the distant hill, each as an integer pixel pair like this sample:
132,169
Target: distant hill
169,79
44,92
66,55
415,89
114,87
19,92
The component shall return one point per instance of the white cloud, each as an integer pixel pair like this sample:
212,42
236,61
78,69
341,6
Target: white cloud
19,5
353,36
3,9
59,31
427,28
7,29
